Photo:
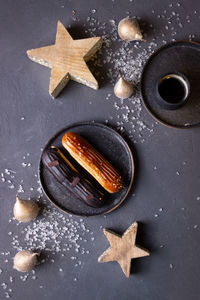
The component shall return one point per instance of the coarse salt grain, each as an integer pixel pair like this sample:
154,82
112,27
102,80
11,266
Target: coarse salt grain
51,231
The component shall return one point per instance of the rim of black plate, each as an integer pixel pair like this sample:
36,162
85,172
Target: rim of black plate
155,116
91,123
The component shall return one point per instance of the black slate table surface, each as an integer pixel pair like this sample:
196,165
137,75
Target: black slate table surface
165,194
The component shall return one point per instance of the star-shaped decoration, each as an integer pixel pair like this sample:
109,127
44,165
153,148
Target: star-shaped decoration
67,59
123,248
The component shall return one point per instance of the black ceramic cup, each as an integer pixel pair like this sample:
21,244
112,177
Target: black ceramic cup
172,90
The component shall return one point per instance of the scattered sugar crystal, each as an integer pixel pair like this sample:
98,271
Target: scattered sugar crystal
11,186
4,285
171,266
20,189
195,226
53,229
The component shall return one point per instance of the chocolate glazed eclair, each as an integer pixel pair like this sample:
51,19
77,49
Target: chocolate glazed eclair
65,173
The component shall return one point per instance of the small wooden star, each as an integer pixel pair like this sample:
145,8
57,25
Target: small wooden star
123,248
67,59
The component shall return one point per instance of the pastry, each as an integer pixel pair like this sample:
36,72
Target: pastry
90,159
65,173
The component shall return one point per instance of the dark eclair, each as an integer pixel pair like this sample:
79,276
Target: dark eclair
65,173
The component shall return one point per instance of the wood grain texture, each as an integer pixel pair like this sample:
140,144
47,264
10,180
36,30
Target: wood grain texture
67,59
123,248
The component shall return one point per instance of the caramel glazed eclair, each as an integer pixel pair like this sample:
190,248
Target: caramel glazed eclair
55,161
90,159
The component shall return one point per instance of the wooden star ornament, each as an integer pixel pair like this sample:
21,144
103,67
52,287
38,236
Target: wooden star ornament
123,248
67,59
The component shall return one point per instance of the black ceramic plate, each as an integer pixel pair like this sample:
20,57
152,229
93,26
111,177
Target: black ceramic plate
113,147
182,57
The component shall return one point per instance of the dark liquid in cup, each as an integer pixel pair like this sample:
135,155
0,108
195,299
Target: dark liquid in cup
172,90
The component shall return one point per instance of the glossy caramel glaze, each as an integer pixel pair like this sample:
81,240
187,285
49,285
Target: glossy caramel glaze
90,159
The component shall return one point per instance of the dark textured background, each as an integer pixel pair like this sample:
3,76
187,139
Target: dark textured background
27,24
